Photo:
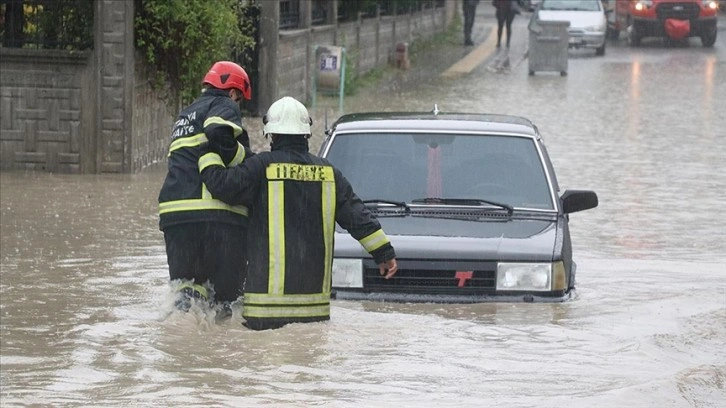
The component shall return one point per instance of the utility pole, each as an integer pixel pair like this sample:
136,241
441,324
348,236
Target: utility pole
269,38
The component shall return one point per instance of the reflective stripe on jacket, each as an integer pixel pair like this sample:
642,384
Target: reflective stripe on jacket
183,196
296,199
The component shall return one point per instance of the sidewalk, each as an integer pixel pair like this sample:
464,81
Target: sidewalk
485,39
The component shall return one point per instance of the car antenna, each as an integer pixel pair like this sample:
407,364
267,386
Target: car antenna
436,109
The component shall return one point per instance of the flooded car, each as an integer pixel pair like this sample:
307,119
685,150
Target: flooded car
470,202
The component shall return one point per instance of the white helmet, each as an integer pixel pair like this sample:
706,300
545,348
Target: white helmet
287,116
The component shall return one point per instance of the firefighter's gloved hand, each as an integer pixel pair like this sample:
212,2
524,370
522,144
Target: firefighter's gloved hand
244,138
204,149
221,137
222,143
388,268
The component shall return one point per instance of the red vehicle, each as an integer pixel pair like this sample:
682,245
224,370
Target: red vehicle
673,19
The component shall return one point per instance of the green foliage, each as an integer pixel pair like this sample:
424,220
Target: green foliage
181,39
67,24
448,37
350,81
417,50
351,8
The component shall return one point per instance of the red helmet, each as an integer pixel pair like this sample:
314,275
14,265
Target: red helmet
226,75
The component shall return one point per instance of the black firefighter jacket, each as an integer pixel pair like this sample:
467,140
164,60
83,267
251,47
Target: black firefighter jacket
295,200
183,197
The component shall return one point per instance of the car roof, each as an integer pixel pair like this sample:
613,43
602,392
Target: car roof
435,122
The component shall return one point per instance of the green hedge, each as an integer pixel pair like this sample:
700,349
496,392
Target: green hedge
181,39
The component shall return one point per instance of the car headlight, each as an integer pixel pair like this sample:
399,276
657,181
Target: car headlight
542,277
594,28
347,273
712,4
643,4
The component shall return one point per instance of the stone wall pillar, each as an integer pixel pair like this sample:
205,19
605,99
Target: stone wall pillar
332,12
113,74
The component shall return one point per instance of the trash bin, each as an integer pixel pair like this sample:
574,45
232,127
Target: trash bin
548,45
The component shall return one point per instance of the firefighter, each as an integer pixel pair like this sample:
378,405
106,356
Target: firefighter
295,200
205,238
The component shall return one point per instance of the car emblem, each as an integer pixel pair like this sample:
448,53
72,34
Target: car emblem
462,277
678,8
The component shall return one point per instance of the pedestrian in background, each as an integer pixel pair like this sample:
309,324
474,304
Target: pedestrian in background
205,238
506,10
295,198
469,15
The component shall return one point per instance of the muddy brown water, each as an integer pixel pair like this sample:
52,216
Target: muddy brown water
84,302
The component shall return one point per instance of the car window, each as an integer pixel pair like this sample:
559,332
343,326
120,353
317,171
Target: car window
576,5
404,167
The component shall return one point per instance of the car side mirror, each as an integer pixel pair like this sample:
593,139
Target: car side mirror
578,200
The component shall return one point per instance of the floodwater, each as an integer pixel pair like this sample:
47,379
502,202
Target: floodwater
84,301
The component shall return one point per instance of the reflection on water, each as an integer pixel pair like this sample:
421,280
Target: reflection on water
85,313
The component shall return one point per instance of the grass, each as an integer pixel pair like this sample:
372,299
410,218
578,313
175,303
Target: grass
418,48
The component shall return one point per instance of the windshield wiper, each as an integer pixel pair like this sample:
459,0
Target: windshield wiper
399,204
462,201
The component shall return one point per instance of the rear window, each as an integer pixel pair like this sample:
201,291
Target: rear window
404,167
572,5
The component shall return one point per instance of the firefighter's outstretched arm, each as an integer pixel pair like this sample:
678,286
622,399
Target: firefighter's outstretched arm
356,218
231,185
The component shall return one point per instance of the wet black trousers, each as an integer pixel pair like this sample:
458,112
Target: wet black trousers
469,15
504,19
211,251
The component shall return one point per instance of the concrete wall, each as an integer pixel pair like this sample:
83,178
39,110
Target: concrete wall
152,121
94,111
368,42
71,111
45,123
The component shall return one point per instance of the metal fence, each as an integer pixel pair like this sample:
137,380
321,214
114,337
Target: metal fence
48,24
68,24
349,10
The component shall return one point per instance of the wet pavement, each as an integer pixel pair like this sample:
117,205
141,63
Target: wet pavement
85,310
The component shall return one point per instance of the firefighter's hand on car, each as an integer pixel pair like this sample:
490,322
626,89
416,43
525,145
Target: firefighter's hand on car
388,268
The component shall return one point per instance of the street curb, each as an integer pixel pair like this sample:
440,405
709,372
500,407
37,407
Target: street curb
472,59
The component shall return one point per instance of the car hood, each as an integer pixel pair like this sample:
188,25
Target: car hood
577,19
513,240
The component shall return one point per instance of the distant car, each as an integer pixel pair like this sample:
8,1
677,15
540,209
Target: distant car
670,19
470,202
588,21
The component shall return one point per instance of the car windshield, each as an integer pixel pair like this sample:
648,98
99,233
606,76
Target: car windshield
575,5
425,167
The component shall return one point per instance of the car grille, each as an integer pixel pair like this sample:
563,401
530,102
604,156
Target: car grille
434,279
682,11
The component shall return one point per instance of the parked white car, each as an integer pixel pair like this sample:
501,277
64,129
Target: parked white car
588,22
